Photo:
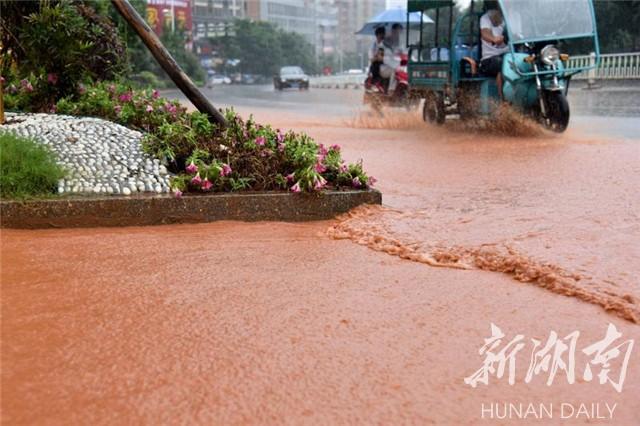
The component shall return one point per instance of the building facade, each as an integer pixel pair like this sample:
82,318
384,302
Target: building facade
172,14
352,15
315,20
211,18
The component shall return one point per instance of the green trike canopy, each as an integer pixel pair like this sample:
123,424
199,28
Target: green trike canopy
422,5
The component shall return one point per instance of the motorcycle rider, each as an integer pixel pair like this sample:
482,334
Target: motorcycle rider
375,76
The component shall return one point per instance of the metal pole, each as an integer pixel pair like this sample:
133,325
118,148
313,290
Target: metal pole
167,62
437,32
173,16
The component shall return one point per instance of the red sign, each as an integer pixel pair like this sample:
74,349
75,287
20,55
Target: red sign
161,14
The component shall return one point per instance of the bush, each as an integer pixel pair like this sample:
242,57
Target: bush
245,155
55,46
27,168
147,79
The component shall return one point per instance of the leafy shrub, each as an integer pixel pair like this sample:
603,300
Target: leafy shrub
26,168
147,79
245,155
55,45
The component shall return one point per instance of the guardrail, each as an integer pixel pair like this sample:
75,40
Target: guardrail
613,66
344,81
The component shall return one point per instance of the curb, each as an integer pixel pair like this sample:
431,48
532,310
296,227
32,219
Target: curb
144,210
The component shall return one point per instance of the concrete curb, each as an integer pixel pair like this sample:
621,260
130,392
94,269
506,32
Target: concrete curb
85,212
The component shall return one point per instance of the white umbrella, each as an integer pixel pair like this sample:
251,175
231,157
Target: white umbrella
390,17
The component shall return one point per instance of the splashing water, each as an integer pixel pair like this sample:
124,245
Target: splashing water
506,121
387,230
389,118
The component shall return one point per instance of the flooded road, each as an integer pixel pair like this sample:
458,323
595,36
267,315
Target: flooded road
376,317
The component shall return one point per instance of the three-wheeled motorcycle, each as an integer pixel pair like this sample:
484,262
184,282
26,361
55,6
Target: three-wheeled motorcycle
444,66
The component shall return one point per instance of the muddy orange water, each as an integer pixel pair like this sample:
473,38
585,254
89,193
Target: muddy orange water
373,318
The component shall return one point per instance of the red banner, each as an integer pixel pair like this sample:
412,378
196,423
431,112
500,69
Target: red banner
160,14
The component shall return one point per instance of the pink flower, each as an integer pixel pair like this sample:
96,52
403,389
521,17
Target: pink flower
52,78
171,108
117,109
12,89
343,168
279,137
26,85
322,150
126,97
111,88
177,193
81,89
356,182
191,168
2,80
197,180
266,153
320,168
290,177
319,183
281,147
372,181
149,108
335,148
226,170
206,184
53,109
296,188
155,94
260,140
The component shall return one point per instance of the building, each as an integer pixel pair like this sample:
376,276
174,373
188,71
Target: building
174,14
352,15
315,20
211,18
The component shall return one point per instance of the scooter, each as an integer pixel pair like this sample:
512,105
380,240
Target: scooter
378,95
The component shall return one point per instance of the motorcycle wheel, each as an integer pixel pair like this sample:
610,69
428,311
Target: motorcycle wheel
557,119
433,111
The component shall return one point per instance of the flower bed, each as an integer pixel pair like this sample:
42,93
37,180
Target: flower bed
205,158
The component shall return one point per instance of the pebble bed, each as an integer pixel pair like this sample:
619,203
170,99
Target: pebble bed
99,156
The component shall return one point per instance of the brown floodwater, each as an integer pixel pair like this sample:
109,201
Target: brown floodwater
265,323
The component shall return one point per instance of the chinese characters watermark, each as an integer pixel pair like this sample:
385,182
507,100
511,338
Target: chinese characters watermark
554,357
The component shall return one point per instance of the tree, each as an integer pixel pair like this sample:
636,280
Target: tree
262,48
618,27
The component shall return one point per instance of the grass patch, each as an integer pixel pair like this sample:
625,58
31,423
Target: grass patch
27,169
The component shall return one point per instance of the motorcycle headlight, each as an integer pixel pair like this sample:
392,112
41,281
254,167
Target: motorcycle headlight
550,54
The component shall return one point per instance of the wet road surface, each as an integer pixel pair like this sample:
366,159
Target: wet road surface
345,321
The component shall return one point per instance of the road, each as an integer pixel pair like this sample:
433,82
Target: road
612,111
364,319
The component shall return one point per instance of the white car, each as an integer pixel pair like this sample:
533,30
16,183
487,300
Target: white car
217,80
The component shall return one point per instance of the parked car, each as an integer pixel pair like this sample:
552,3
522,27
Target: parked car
292,77
218,79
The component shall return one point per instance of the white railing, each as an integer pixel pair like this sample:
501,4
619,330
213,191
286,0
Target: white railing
613,66
343,81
